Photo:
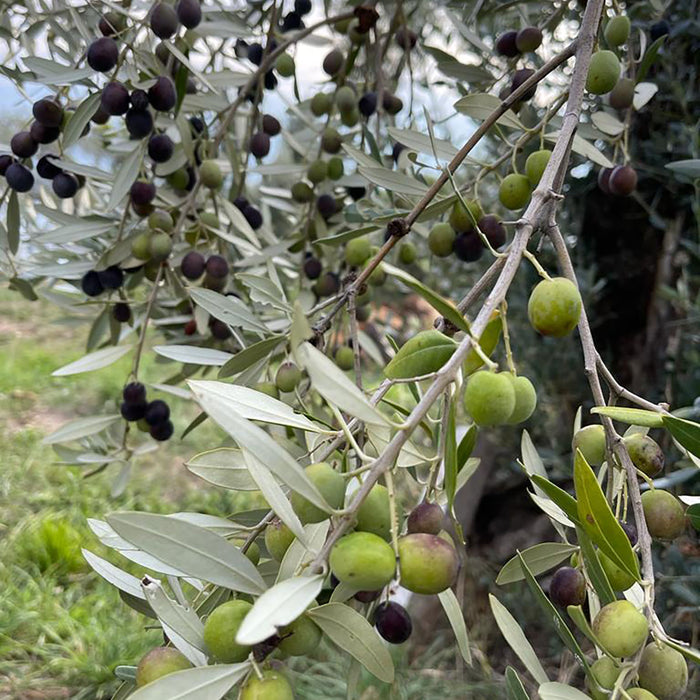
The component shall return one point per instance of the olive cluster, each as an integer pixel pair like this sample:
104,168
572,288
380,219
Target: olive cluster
152,417
458,235
96,282
50,119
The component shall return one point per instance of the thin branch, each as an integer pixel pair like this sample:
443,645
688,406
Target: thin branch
591,358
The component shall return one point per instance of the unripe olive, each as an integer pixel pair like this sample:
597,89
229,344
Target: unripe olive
253,553
321,104
336,168
358,251
300,638
272,685
605,671
489,398
345,357
462,219
621,628
663,671
554,307
317,171
220,631
525,398
428,563
160,246
591,441
159,219
645,453
617,30
567,587
535,165
301,192
407,253
140,246
441,240
664,514
159,662
285,65
278,537
603,72
331,141
425,517
350,117
514,191
622,95
210,174
618,578
345,98
332,487
287,377
363,560
268,388
374,514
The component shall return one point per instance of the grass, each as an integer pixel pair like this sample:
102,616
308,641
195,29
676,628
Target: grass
63,630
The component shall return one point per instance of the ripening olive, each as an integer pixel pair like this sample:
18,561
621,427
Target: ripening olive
620,628
554,307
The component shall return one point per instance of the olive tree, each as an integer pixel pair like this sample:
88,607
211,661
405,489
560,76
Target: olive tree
249,181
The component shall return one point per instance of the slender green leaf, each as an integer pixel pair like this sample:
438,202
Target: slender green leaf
114,575
13,219
480,106
178,618
80,428
441,305
552,613
454,613
633,416
203,683
252,354
466,446
539,558
223,467
80,118
424,353
517,640
561,498
352,633
450,458
595,571
273,493
514,686
93,361
559,691
335,387
193,355
126,175
685,431
255,405
194,550
277,607
598,520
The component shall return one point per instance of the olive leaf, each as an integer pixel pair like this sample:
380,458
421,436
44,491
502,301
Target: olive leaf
426,352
